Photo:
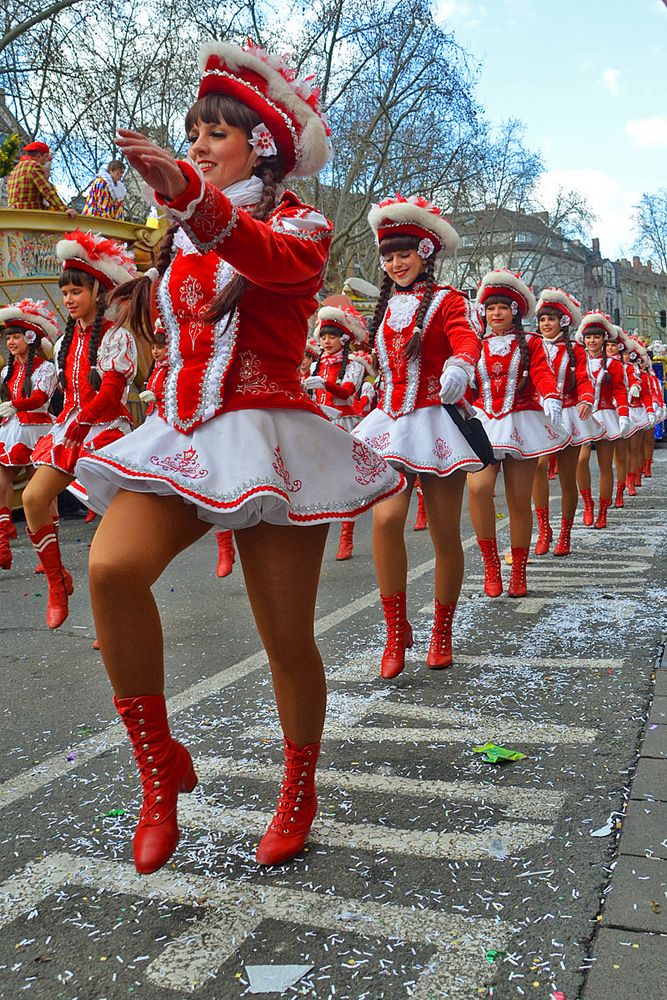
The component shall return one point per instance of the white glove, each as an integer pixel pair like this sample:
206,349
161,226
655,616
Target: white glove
625,424
6,410
147,396
651,418
313,382
634,392
453,384
368,390
553,408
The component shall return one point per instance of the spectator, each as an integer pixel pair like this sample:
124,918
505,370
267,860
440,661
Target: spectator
105,198
28,185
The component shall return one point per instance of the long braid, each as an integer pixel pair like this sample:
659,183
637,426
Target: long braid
133,298
5,393
343,365
412,349
386,289
316,369
94,378
29,365
150,372
604,375
571,379
524,351
226,301
65,344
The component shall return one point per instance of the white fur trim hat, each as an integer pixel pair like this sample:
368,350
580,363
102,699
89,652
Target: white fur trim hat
596,320
106,260
288,107
566,304
506,283
33,316
346,318
414,216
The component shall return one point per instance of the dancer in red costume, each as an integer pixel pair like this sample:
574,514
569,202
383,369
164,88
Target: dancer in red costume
658,404
336,378
616,349
96,361
236,442
558,315
426,337
511,372
640,407
610,408
28,382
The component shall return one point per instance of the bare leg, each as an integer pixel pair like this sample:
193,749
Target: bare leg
519,477
621,460
389,552
443,499
568,459
7,476
136,540
583,468
40,494
480,500
605,454
281,565
541,482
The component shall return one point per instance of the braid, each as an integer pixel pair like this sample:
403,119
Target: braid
150,372
5,393
571,379
343,366
29,365
412,349
226,301
133,298
605,376
64,351
316,369
524,351
95,338
381,307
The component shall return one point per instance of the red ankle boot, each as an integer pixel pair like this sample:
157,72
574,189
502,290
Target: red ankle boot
620,489
166,769
345,543
638,477
296,809
226,553
13,534
562,547
59,580
553,466
632,492
90,516
5,535
493,583
544,534
440,649
601,521
518,586
648,472
56,524
421,521
399,635
589,507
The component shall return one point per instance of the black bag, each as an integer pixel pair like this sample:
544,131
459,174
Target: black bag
474,433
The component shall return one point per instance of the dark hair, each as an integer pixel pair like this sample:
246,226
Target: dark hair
81,279
571,379
329,328
29,365
519,333
392,244
116,165
605,376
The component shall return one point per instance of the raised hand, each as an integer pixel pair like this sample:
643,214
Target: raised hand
157,167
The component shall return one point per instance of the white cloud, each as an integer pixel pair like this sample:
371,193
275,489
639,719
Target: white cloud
610,81
461,14
608,199
650,133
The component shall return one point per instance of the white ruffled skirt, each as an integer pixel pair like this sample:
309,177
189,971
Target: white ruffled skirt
246,466
581,431
424,441
523,434
638,418
609,420
17,441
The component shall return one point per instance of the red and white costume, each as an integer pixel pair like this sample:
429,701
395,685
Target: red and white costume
236,434
20,432
514,419
338,395
610,400
155,383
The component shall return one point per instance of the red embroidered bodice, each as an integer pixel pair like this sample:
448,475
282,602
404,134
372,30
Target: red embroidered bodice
249,359
572,391
33,408
116,365
340,395
450,329
500,369
610,393
155,384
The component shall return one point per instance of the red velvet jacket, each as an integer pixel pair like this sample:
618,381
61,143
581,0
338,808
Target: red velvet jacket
572,391
155,384
116,365
610,393
340,395
499,371
32,409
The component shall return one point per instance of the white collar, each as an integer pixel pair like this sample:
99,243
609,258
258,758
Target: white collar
245,193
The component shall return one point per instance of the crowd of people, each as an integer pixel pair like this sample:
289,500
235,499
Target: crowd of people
269,434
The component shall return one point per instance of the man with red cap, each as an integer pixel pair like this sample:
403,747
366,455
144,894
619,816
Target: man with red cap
28,186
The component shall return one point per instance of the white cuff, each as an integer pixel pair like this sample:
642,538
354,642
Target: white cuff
456,362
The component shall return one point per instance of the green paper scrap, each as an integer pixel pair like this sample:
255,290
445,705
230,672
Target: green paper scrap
492,954
115,812
495,755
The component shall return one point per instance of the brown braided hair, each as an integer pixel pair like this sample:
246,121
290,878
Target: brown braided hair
11,361
519,333
94,378
604,376
392,244
386,289
132,299
81,279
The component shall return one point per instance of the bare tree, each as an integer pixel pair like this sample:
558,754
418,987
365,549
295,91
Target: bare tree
13,28
651,227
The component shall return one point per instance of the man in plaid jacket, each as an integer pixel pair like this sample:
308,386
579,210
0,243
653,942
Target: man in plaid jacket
28,186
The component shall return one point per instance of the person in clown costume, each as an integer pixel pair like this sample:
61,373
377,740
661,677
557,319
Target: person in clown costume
236,441
427,340
558,314
28,382
519,404
96,361
610,408
336,378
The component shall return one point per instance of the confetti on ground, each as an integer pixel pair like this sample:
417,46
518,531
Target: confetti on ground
274,978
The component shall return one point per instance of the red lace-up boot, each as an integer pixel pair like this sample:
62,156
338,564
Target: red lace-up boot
601,521
562,547
296,808
632,492
493,582
90,516
544,533
45,543
399,635
13,534
620,490
518,586
553,466
226,553
421,520
166,769
440,649
56,525
346,541
648,472
589,507
5,535
638,477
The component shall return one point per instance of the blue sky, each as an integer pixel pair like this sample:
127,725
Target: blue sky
587,77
